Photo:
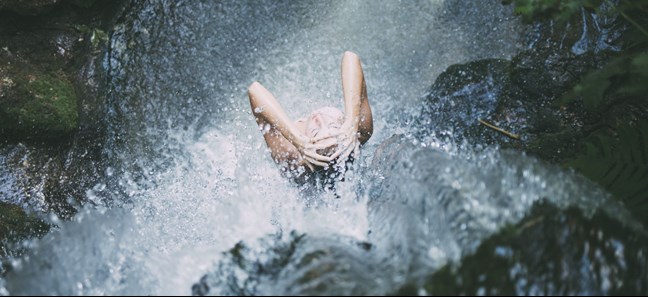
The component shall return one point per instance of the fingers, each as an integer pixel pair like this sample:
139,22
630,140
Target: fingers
309,165
347,152
316,156
356,150
319,138
315,162
342,149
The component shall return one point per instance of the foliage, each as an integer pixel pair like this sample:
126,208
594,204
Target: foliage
619,163
614,151
98,37
622,79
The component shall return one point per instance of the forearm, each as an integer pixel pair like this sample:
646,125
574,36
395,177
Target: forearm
352,85
267,110
365,127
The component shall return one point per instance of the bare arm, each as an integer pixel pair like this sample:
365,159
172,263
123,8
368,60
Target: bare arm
356,104
266,108
284,139
358,122
280,148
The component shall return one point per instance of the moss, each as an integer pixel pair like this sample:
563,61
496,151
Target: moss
38,106
16,225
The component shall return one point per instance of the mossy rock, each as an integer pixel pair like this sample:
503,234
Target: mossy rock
35,104
16,225
28,7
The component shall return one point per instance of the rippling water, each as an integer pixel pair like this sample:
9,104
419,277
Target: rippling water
190,175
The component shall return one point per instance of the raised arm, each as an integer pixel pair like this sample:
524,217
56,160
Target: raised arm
266,108
284,139
275,124
356,104
358,122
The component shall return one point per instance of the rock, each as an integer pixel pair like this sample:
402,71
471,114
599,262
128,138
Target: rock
521,96
427,206
550,252
28,7
35,104
302,265
463,94
84,3
16,225
37,178
53,64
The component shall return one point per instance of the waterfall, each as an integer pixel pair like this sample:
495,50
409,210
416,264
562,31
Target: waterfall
191,177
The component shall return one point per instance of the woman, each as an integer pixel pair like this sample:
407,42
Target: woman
327,135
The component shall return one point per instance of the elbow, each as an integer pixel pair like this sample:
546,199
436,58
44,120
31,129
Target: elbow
350,54
254,86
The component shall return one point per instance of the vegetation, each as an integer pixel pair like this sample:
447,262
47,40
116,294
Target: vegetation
613,150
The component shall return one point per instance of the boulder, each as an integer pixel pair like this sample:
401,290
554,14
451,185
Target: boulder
28,7
35,104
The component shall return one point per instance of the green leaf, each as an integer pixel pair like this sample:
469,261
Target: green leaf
619,162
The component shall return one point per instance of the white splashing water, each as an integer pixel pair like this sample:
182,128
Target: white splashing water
192,165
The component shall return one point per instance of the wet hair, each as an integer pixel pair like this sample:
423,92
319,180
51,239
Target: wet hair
322,122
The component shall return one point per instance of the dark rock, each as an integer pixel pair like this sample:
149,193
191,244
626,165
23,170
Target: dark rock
465,93
39,178
28,7
16,225
302,265
522,96
49,161
550,252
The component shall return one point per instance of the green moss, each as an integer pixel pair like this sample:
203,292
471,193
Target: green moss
39,106
16,225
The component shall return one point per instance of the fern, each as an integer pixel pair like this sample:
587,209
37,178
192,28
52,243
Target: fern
619,163
622,79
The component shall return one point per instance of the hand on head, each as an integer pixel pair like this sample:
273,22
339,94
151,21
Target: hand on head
329,139
328,136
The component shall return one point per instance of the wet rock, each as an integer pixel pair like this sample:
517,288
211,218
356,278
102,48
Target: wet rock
16,225
53,105
522,96
465,93
550,252
39,178
302,265
35,104
28,7
427,206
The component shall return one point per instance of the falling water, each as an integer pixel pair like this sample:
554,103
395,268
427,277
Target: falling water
190,175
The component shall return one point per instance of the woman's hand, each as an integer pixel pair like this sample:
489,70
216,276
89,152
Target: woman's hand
347,142
309,150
